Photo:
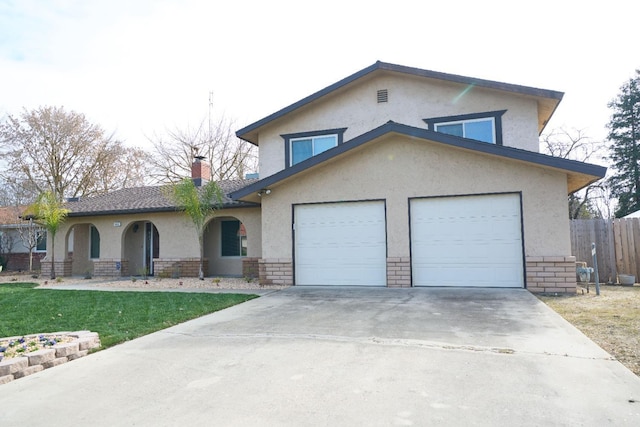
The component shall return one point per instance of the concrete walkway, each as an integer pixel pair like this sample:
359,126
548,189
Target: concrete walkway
328,357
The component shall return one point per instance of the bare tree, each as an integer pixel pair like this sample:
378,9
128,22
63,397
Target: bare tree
60,151
7,243
30,233
574,144
16,192
229,156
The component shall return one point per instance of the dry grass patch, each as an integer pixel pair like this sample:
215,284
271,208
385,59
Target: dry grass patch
612,320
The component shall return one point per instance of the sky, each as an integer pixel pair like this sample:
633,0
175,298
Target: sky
140,67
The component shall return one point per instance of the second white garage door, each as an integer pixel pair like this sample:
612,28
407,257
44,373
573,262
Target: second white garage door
340,244
467,241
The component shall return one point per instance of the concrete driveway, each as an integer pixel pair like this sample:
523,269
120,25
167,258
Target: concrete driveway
328,357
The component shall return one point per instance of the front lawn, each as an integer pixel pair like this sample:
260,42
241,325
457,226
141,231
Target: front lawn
612,319
115,316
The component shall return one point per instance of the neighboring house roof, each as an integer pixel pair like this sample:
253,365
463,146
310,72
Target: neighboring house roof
635,214
548,100
9,215
580,174
145,199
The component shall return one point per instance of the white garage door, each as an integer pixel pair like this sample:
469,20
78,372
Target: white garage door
467,241
340,244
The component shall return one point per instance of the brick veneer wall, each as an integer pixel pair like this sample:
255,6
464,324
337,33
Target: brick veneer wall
179,267
250,267
62,268
399,272
20,261
275,271
553,274
105,267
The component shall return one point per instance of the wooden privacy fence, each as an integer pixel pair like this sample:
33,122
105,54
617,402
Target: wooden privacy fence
617,245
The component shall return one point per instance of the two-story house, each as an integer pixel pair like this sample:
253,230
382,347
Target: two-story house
393,176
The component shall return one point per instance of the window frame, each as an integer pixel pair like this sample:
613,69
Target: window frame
495,116
241,240
291,137
91,228
40,239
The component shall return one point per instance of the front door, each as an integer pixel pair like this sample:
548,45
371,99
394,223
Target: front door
151,246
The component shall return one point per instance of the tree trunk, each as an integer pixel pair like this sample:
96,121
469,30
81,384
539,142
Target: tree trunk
201,242
53,251
30,260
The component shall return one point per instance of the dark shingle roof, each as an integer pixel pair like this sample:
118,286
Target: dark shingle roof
146,199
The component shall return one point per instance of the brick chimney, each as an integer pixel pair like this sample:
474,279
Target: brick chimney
200,171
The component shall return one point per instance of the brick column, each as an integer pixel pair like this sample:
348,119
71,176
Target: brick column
179,267
275,271
62,268
250,267
399,272
551,274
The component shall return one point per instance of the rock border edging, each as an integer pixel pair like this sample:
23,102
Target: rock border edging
36,361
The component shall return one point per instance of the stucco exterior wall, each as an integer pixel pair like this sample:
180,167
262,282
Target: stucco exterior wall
411,99
397,168
232,266
178,238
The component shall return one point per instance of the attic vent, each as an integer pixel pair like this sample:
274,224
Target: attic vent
383,95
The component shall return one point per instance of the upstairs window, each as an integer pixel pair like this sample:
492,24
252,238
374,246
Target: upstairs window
485,127
302,146
480,130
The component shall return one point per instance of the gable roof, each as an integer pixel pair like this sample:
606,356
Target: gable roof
548,100
145,200
580,174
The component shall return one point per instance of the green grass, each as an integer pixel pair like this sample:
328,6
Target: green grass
115,316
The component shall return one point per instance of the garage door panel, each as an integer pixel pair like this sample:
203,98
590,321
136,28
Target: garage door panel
467,241
340,244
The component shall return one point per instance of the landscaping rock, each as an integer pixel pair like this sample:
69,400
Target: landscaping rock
28,371
11,366
64,350
6,378
55,362
41,356
78,355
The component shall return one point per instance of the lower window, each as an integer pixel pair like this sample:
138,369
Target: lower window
95,243
233,238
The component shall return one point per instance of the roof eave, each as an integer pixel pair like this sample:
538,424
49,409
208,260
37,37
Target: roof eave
237,204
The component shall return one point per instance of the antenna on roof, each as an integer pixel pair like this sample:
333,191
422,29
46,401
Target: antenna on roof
210,112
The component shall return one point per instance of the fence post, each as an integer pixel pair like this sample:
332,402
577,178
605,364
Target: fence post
595,267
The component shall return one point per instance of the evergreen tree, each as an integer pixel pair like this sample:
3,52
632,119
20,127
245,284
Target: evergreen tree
624,136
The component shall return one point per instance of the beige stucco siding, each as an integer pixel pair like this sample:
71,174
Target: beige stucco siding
226,266
411,99
178,238
397,168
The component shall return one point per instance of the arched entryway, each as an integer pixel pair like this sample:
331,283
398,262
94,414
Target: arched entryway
82,247
225,245
140,245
